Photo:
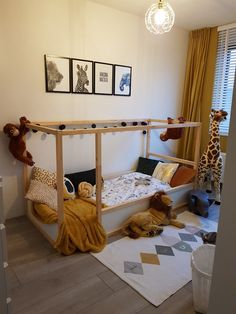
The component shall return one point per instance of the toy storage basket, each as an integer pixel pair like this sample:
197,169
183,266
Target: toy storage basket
202,264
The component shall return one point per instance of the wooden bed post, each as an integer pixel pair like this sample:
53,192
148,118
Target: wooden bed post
148,141
26,180
60,176
197,153
98,175
197,146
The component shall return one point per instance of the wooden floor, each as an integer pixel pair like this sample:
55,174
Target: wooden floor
42,281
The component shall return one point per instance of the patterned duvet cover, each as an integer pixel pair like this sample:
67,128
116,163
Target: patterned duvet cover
129,187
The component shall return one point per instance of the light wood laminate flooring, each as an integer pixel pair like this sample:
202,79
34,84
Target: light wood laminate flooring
42,281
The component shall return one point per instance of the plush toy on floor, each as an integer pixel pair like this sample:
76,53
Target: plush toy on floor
209,237
211,162
150,222
173,133
17,143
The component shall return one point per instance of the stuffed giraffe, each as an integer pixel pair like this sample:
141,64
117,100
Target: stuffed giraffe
211,160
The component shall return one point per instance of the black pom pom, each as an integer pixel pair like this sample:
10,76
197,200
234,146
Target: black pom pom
135,123
94,126
144,123
144,132
105,127
123,123
62,127
35,131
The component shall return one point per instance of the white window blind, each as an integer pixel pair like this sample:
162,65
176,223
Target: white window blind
224,74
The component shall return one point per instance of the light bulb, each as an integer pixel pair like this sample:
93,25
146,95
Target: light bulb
160,17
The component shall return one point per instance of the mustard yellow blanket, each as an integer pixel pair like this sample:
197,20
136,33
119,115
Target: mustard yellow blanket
80,228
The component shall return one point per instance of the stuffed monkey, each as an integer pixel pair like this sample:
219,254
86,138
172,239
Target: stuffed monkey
17,143
174,133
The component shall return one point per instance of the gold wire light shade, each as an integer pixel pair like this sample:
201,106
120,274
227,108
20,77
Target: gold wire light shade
160,17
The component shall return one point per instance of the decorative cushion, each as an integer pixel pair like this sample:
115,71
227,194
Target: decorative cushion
165,171
68,189
44,176
183,175
85,189
77,177
146,165
42,193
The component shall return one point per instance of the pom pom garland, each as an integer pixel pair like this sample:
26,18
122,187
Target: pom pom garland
62,127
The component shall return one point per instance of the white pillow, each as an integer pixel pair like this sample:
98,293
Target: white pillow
165,171
42,193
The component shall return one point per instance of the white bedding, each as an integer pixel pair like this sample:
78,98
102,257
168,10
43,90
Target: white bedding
130,186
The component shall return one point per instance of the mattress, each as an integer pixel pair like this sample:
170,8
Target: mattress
129,187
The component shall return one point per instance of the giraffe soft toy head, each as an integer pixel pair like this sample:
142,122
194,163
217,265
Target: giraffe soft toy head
211,163
218,115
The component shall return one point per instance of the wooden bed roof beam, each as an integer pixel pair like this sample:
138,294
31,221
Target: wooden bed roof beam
41,128
111,129
82,122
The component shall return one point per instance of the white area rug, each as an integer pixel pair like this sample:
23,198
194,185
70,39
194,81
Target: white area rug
157,267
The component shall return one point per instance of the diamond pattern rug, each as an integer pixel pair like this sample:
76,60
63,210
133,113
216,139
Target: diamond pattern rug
157,267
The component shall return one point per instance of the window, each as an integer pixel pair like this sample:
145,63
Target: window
225,73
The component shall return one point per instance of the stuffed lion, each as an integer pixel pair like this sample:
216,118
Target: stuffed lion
150,222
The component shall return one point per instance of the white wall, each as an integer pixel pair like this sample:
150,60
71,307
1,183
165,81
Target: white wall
86,30
223,287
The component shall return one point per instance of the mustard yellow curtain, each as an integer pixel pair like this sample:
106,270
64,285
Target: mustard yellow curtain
198,85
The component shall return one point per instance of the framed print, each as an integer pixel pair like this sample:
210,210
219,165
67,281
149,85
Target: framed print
103,78
122,80
82,76
57,74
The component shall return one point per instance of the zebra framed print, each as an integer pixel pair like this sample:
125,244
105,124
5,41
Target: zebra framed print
57,74
122,80
103,78
82,76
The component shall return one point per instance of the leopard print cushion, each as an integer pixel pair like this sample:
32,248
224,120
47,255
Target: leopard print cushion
44,176
42,193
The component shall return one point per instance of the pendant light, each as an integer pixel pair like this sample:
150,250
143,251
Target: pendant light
160,17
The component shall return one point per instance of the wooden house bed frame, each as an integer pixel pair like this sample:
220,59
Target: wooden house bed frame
111,217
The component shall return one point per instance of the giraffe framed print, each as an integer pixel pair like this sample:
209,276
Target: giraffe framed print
103,78
57,74
122,80
82,76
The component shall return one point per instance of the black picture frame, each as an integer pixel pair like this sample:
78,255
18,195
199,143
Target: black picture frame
82,76
122,80
57,74
103,78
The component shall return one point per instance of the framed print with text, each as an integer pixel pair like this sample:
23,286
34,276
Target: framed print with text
103,78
